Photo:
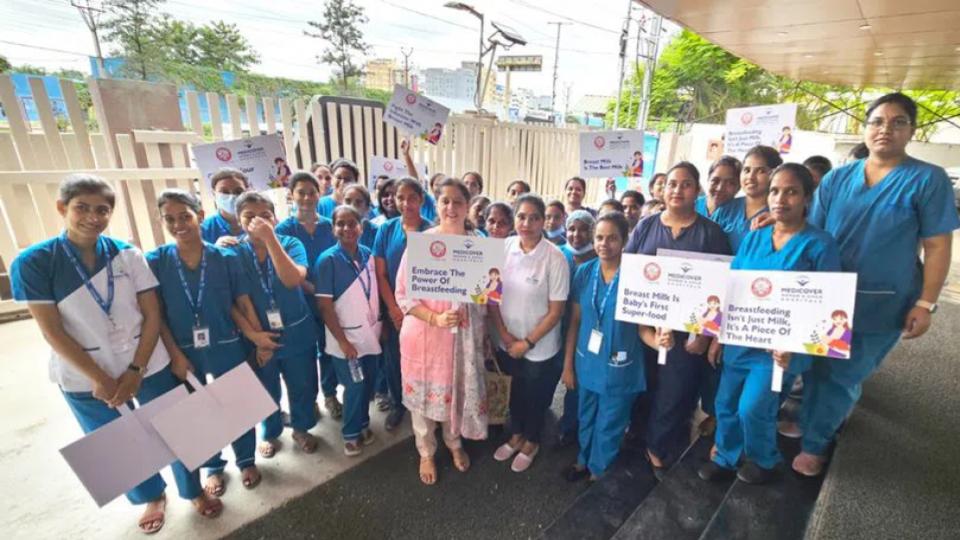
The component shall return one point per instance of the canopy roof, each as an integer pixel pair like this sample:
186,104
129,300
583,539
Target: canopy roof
887,43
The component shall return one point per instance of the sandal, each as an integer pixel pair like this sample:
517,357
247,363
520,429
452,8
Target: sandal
461,460
334,407
208,507
268,448
152,522
251,477
307,442
428,471
216,485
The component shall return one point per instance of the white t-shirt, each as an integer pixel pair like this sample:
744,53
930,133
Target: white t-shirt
530,281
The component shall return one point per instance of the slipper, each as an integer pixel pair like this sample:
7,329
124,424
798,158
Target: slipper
268,448
505,452
216,485
307,442
209,507
461,460
428,471
573,473
254,481
157,516
523,461
809,465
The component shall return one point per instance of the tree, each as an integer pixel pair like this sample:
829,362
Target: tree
4,64
222,46
130,27
340,27
176,40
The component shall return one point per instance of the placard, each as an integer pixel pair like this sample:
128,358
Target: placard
394,168
770,125
684,294
613,153
255,157
800,312
455,268
416,114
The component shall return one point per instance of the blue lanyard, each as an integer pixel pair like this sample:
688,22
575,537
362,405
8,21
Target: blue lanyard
194,305
355,266
104,305
266,282
602,307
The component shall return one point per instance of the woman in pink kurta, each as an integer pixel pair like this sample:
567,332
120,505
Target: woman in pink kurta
442,371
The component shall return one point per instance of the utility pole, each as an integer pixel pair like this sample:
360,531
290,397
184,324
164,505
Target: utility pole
406,65
556,63
566,101
652,50
91,17
624,34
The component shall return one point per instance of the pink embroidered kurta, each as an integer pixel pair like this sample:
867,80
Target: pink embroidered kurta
442,372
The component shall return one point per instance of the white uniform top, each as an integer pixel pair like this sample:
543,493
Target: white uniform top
530,281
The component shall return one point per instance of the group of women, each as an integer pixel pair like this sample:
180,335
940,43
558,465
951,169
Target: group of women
319,301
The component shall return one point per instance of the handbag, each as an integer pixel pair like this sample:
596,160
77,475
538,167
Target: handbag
498,395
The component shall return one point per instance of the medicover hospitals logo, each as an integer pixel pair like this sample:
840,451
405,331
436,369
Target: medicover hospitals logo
223,154
411,99
746,118
438,249
387,166
761,287
652,271
599,142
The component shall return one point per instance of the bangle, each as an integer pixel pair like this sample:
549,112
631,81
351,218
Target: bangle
140,370
529,343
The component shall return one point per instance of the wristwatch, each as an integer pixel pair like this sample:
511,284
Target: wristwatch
529,343
929,306
138,369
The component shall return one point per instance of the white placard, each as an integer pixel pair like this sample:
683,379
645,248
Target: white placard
611,153
661,252
254,156
770,125
394,168
415,114
123,453
214,415
455,268
800,312
682,294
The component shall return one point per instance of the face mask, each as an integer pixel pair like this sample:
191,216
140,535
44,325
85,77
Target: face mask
227,203
582,251
556,233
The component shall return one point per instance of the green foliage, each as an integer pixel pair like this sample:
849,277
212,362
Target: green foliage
130,26
4,64
340,28
222,46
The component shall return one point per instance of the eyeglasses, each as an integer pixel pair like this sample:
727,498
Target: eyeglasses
897,123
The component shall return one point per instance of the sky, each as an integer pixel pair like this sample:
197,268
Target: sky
51,34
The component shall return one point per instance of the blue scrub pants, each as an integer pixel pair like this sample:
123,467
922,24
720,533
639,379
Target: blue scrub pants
531,392
299,372
391,364
207,365
356,395
833,386
747,417
603,422
568,423
91,413
670,400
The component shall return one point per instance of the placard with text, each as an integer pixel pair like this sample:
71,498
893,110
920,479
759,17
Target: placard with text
416,114
455,268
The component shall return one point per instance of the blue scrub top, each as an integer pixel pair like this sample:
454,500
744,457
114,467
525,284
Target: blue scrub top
223,284
315,244
810,250
390,244
369,234
299,332
618,369
214,227
701,207
429,208
333,275
879,229
732,217
702,235
326,205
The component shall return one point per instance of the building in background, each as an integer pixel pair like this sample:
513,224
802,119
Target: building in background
382,74
591,109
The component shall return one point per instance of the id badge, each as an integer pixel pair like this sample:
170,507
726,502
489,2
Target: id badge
201,337
120,341
274,319
596,339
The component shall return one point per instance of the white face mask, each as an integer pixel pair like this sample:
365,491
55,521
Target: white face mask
587,248
227,202
556,233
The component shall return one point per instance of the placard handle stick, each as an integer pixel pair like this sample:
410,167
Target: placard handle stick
662,356
777,383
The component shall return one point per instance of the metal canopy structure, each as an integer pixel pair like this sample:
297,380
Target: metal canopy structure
884,43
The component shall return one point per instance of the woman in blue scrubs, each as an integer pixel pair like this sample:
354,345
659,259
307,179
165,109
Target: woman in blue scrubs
428,208
881,209
346,285
604,358
358,197
386,201
315,232
736,216
663,413
227,185
723,183
275,267
388,249
199,284
345,173
92,297
746,407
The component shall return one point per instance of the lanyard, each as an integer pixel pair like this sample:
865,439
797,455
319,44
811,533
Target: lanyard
601,308
104,305
355,266
194,305
266,282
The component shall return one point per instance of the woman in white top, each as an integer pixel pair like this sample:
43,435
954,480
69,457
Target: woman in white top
536,281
